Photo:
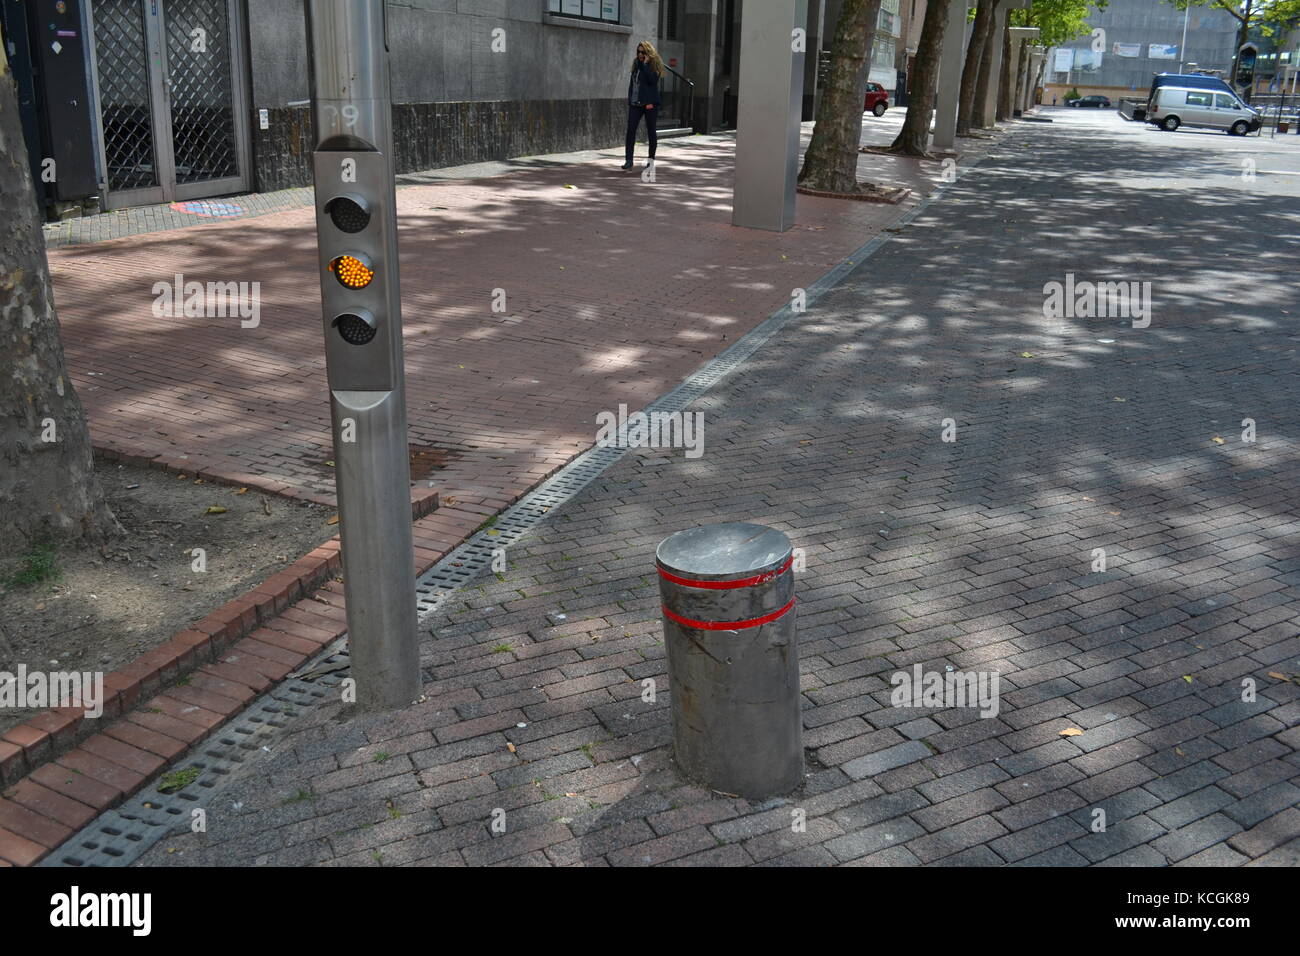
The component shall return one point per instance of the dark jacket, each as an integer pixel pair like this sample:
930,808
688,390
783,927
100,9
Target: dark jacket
643,87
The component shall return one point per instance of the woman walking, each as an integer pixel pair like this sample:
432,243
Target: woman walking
643,98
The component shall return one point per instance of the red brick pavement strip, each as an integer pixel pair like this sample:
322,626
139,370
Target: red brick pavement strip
615,290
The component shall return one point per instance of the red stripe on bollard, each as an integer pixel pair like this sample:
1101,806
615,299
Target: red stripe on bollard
728,626
728,585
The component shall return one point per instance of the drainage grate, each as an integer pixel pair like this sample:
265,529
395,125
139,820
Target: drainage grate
120,836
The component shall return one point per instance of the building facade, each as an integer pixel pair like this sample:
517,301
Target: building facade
1138,39
176,100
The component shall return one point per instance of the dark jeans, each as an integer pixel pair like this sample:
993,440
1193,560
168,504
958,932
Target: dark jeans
634,116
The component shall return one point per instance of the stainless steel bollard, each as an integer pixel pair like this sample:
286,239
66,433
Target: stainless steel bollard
733,661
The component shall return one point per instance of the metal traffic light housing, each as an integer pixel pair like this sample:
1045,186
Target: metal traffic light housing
358,270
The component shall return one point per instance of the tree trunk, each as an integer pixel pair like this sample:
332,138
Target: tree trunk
914,138
970,72
986,69
47,478
831,162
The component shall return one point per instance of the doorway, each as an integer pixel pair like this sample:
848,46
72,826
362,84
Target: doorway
172,104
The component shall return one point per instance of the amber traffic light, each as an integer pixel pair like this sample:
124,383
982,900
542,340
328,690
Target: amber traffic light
352,271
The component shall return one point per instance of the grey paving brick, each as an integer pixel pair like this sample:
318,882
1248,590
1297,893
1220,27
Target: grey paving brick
1268,834
1187,780
862,842
878,809
1057,856
954,839
1194,837
954,811
1263,804
1117,838
1193,806
887,759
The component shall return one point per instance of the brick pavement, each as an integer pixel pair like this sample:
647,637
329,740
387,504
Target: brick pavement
975,554
498,400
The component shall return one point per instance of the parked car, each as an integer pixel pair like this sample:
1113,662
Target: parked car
1175,106
877,99
1193,81
1094,100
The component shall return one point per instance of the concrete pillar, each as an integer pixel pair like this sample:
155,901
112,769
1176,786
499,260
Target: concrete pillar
1036,57
1019,63
767,122
951,61
816,27
987,114
701,67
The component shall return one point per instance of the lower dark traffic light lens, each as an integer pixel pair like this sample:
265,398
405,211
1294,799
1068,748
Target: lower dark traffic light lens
348,214
355,329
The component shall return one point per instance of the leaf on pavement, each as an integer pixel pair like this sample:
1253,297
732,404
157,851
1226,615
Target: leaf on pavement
1070,732
215,510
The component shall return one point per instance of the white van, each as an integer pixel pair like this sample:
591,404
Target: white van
1175,106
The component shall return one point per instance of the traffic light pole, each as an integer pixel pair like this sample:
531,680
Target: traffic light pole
356,220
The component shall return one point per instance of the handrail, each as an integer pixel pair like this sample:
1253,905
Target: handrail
684,115
689,82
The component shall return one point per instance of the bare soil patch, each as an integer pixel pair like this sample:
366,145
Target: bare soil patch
102,607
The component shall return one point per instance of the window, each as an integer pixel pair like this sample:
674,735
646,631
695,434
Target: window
882,52
605,10
671,19
1199,99
1225,102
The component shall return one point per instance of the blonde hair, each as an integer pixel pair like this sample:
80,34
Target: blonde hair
656,62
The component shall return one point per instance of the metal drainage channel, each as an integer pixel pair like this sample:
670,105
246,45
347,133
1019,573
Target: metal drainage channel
464,565
120,836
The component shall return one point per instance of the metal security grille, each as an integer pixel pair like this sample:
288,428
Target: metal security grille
198,66
124,94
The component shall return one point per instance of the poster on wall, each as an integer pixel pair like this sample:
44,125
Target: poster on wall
1127,49
1064,62
1160,51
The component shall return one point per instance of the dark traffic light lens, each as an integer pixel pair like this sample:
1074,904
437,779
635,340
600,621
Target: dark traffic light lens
353,272
348,214
355,329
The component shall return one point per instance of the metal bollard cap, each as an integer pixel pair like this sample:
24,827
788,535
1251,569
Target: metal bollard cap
723,552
